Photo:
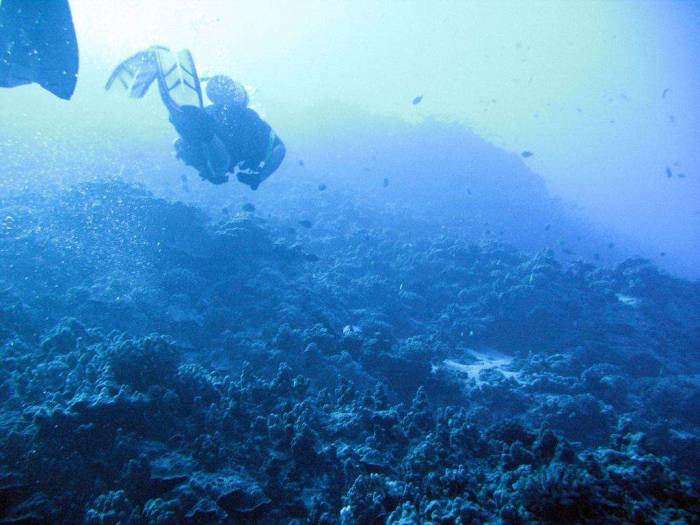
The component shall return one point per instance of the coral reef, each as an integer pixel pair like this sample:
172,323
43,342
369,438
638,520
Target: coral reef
160,367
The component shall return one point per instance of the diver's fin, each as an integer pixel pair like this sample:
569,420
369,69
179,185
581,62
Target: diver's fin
38,44
178,81
176,74
136,74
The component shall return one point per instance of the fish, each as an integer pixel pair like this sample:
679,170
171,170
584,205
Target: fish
322,187
680,175
248,207
665,92
526,154
301,163
548,227
385,182
663,254
669,173
417,100
611,245
305,223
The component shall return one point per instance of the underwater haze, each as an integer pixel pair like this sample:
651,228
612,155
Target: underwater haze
605,94
469,294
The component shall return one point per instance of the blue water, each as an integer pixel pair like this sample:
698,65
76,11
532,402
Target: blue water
478,306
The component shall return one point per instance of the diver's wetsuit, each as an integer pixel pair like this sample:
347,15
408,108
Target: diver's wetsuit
245,135
248,139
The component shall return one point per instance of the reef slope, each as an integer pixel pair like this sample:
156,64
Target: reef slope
162,367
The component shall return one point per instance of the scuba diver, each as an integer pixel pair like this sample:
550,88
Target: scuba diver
38,44
224,137
254,149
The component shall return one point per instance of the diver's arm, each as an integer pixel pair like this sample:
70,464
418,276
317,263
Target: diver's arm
199,146
208,158
190,154
275,155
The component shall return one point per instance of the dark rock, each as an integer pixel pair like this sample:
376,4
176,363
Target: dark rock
244,502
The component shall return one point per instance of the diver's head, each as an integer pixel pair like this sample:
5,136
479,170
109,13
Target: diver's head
224,90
